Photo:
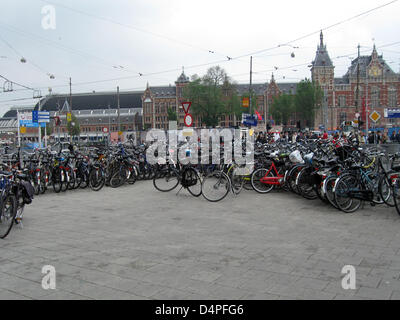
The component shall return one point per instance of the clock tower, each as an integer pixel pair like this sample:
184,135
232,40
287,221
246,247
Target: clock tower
322,69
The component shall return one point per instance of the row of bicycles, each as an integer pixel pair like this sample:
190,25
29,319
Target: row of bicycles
65,167
341,173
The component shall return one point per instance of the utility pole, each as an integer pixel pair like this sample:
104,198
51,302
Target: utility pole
119,118
251,80
40,128
70,104
358,79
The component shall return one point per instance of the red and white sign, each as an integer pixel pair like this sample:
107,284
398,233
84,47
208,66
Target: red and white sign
186,106
105,129
188,120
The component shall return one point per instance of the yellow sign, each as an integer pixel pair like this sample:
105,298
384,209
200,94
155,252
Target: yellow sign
187,133
120,133
22,129
251,132
69,117
375,116
245,102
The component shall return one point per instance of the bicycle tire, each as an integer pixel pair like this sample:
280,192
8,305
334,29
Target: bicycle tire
214,182
170,177
259,186
8,213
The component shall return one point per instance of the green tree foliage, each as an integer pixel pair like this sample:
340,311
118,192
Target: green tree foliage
73,126
308,98
172,115
212,96
49,130
282,108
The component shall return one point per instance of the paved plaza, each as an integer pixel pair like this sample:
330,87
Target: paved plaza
137,243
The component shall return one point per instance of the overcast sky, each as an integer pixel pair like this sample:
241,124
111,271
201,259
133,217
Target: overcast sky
97,40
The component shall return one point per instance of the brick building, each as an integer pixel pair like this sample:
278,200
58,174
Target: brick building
378,88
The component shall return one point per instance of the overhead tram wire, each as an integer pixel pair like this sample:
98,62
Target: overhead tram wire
234,58
316,32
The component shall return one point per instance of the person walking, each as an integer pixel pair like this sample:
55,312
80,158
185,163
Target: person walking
393,136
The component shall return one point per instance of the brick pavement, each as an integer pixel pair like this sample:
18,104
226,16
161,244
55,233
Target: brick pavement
137,243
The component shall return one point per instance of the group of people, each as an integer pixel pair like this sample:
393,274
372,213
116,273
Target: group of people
289,136
294,136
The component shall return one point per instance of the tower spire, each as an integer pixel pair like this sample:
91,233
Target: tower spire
321,36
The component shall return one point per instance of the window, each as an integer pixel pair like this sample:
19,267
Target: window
392,97
343,116
342,101
375,95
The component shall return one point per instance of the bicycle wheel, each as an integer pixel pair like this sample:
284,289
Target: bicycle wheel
343,199
385,189
304,188
119,177
215,186
168,182
194,186
238,179
395,184
328,189
96,179
257,184
8,210
57,181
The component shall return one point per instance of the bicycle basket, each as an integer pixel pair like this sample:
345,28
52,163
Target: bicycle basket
295,157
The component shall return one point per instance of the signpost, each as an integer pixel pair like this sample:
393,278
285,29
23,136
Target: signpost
246,102
188,120
375,116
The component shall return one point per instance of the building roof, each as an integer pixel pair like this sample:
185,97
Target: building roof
322,58
93,101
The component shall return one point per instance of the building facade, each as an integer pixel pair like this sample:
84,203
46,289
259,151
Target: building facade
369,85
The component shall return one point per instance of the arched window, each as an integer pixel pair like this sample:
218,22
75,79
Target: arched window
375,97
392,97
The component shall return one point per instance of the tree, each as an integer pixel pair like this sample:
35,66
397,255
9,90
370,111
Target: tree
172,115
73,126
212,96
308,97
49,130
282,108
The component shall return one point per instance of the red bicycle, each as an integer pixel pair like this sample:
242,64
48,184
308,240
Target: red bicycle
264,180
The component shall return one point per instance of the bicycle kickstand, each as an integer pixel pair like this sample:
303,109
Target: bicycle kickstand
179,190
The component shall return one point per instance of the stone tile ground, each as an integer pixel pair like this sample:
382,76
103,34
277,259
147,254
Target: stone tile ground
137,243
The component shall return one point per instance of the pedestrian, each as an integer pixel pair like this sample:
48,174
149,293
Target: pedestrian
398,137
393,136
325,136
384,138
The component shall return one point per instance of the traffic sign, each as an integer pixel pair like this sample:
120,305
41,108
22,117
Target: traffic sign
25,117
43,116
186,106
188,120
245,102
69,116
375,116
22,129
357,115
392,113
35,116
105,129
120,133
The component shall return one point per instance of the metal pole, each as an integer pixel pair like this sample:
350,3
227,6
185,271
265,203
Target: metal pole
19,133
251,79
366,106
40,128
119,119
358,79
70,104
